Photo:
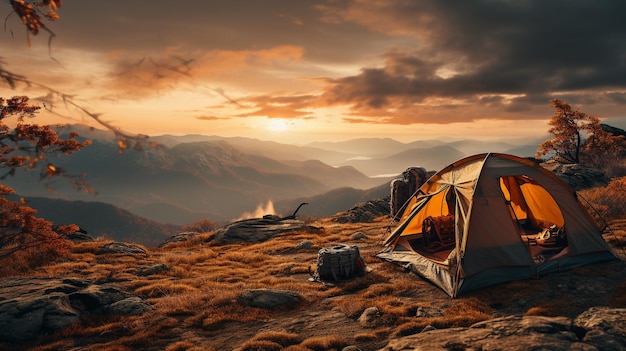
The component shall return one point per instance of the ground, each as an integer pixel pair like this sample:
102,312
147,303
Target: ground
196,306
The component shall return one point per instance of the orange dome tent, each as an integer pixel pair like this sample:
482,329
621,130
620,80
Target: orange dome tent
492,218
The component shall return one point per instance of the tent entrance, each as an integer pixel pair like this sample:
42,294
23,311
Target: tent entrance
537,215
433,227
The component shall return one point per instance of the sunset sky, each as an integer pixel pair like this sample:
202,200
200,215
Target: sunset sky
301,70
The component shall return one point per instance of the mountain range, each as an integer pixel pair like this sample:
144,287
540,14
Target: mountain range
191,177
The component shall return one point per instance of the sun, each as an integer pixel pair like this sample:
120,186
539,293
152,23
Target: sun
277,125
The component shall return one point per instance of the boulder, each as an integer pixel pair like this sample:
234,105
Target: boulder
79,237
121,249
605,327
178,238
260,229
31,307
154,269
369,317
577,176
133,306
269,298
363,212
304,245
597,329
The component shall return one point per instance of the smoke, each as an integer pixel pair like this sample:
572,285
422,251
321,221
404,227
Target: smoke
260,211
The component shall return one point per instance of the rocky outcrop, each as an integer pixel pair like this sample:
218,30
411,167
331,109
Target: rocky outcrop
260,229
31,307
364,212
597,329
613,130
577,176
178,238
120,248
79,237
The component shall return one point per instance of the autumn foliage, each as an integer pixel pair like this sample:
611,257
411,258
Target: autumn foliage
201,226
608,202
30,12
25,240
579,138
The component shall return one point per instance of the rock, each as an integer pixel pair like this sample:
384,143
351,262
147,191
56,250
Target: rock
260,229
428,328
154,269
76,237
269,298
422,312
613,130
30,307
79,237
577,176
358,236
133,306
180,237
363,212
597,329
606,327
304,245
369,317
121,249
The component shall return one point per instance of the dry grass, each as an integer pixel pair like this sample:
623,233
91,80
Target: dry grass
164,288
196,300
187,346
96,324
54,346
324,343
90,246
270,341
462,313
608,202
216,318
188,259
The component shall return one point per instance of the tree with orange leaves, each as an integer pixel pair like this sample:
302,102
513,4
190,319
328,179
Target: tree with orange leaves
579,138
30,13
27,240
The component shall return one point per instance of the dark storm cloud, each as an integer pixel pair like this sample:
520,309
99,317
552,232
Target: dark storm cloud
147,26
530,48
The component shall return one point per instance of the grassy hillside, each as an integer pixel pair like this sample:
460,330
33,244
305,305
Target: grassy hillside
197,303
100,219
196,300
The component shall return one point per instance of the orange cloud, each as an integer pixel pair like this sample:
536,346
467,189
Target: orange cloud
134,76
211,118
287,107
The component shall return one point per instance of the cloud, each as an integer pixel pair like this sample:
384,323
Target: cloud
211,118
384,62
506,56
287,107
134,76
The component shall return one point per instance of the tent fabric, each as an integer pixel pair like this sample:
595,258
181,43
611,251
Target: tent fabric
501,205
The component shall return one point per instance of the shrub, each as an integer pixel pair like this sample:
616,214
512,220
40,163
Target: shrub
260,345
281,338
200,226
608,202
324,343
